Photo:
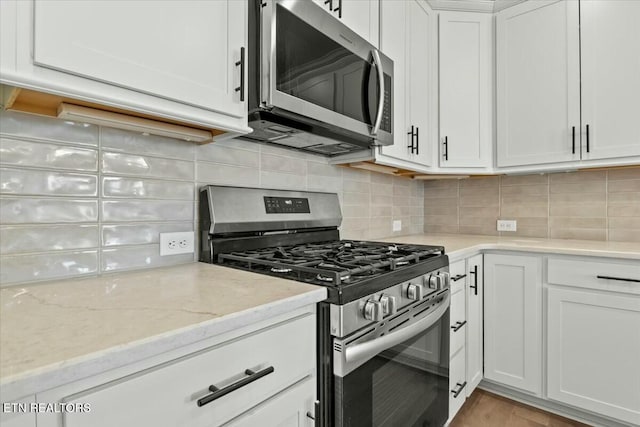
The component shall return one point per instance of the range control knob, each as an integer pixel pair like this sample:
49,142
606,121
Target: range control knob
434,282
372,310
414,291
446,279
389,305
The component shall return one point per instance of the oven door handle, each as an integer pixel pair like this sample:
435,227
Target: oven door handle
378,65
360,353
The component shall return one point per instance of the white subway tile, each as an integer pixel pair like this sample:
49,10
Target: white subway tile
146,210
143,166
51,129
39,238
47,266
114,186
22,210
139,234
279,180
152,145
40,154
41,182
138,257
227,155
213,173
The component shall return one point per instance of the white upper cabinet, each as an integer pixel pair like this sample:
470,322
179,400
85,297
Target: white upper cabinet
407,30
610,38
362,16
538,83
466,82
180,50
173,60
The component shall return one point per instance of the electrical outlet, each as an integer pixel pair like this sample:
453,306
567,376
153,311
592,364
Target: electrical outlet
397,225
176,243
507,225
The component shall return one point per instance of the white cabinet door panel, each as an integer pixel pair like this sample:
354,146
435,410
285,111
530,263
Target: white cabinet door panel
362,16
513,321
538,83
475,293
594,351
180,50
610,38
465,89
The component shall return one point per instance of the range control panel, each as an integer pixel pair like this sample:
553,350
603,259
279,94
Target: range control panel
286,205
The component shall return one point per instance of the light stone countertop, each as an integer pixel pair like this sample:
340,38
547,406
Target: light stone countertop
460,246
54,333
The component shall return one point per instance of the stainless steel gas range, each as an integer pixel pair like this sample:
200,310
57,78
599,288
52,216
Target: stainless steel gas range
383,332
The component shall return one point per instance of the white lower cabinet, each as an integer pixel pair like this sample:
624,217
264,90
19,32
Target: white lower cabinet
19,414
593,344
513,321
263,372
475,293
457,383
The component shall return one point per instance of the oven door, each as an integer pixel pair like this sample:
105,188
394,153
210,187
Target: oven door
316,67
396,374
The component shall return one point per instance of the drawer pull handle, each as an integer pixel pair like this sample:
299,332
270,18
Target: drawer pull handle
475,280
459,390
458,277
217,393
458,325
622,279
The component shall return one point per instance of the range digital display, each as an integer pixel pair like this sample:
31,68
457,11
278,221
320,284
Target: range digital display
275,205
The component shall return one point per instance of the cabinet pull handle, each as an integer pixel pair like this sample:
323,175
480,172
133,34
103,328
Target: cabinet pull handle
316,411
217,393
330,3
446,148
622,279
459,390
417,139
587,138
475,280
573,140
412,136
458,277
458,325
339,9
241,64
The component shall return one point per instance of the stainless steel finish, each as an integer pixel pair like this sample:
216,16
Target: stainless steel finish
378,65
234,209
350,353
347,319
372,310
433,282
415,291
389,305
280,102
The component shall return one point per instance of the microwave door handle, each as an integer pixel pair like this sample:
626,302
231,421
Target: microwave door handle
378,65
360,353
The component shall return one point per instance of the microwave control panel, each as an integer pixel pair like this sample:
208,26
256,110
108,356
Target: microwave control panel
385,125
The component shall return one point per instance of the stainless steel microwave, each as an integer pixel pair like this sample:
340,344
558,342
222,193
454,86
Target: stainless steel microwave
314,84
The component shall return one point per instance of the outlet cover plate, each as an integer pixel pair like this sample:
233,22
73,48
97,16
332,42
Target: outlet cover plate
397,225
177,243
507,225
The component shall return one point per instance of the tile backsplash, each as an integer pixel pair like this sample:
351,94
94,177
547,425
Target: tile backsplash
591,205
79,200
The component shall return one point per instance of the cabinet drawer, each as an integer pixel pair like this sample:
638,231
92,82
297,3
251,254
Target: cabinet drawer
457,271
167,395
458,322
604,275
457,384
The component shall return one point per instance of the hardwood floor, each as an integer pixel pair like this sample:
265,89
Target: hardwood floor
484,409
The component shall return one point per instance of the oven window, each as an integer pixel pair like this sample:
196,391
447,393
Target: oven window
312,67
407,385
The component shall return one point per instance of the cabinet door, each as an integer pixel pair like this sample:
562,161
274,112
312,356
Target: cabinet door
362,16
420,27
513,319
610,38
18,418
475,292
287,409
184,51
466,81
538,83
457,384
593,351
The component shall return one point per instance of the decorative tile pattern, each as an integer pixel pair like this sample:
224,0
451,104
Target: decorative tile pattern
79,199
587,205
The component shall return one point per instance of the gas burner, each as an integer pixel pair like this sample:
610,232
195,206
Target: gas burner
280,270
